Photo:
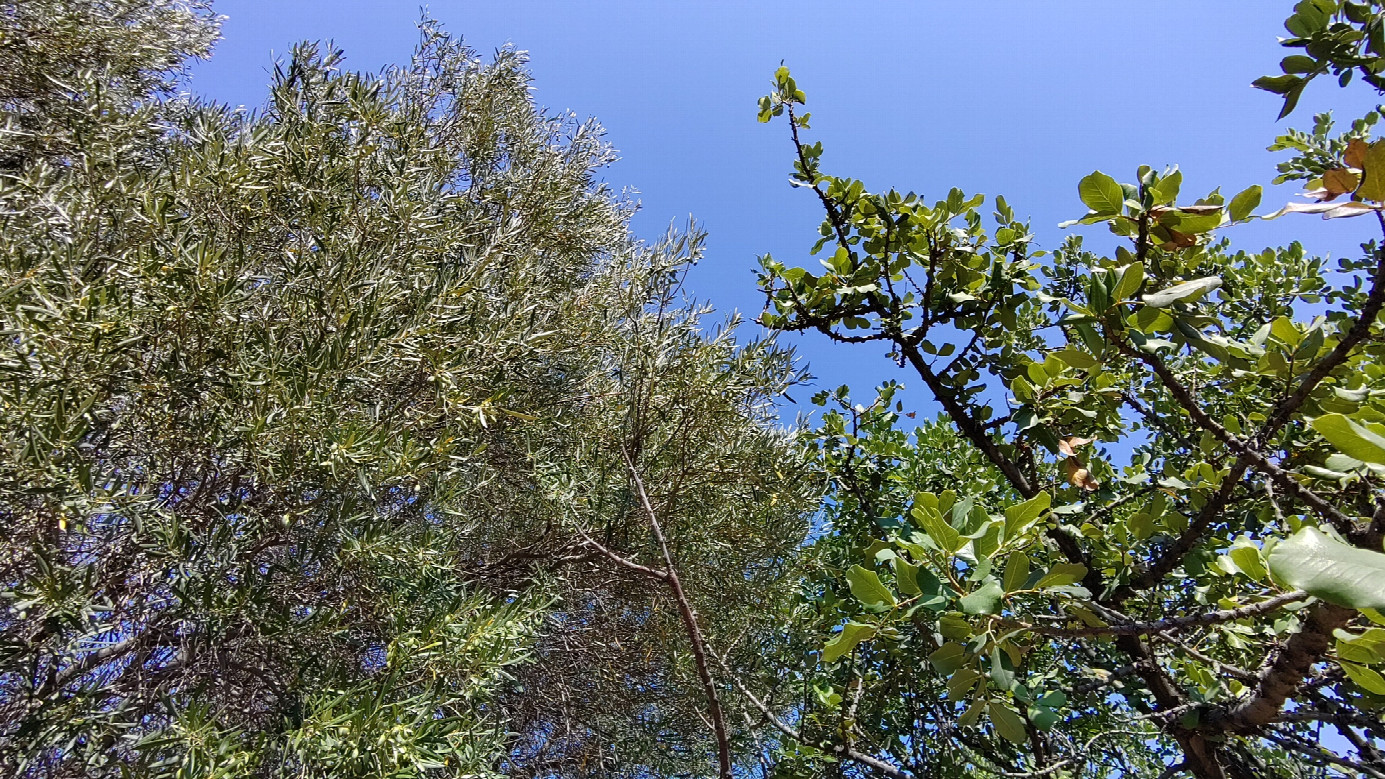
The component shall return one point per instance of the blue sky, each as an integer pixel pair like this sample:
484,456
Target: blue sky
1013,98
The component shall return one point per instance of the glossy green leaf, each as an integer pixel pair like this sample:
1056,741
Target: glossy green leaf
1244,203
985,600
906,574
1101,193
1016,571
1367,679
947,658
853,633
867,588
1021,515
1247,559
943,534
1131,277
1352,439
1062,574
1330,570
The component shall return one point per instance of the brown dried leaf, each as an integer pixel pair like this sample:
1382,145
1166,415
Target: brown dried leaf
1355,156
1068,446
1327,209
1340,181
1079,476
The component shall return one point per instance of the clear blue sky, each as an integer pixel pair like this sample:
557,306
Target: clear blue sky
1014,98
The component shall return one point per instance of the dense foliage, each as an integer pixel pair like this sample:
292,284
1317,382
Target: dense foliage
314,424
1144,536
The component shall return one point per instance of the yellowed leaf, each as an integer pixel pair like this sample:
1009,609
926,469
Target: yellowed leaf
1340,181
1373,173
1068,446
1355,156
1079,476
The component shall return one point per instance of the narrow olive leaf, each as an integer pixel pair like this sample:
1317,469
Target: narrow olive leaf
1188,291
1241,205
1062,574
1330,570
973,713
1008,722
1022,515
1350,438
1373,176
985,600
1101,193
1016,571
867,587
853,633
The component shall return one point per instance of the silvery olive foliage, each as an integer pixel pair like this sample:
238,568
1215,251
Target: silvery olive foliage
315,418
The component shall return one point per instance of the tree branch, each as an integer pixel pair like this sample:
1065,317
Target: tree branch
1170,623
1282,674
689,616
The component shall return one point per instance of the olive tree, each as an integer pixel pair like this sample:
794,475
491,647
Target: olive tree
320,424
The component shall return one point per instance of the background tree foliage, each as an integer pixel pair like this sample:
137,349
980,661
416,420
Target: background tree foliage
315,423
1144,535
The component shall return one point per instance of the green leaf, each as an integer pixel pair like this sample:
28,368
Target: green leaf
943,534
1131,277
1166,189
1247,558
1244,203
906,574
1008,722
948,658
1101,193
1330,570
1043,717
1022,515
1352,439
1187,291
1016,571
961,683
1062,574
852,634
867,587
1365,678
954,625
985,600
973,713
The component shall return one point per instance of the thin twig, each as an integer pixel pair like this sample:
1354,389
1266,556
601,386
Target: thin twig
689,616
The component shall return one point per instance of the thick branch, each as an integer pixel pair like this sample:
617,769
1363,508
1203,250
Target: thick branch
973,430
1283,674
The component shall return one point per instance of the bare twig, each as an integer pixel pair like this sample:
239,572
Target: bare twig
685,610
1171,623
